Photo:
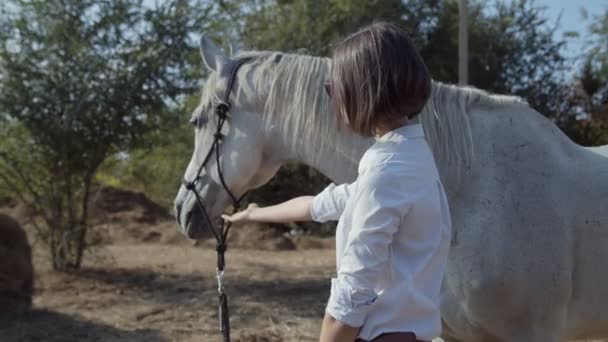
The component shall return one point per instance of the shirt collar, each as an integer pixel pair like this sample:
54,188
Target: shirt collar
407,131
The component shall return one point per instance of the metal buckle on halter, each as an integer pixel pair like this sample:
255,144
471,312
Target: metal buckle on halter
221,109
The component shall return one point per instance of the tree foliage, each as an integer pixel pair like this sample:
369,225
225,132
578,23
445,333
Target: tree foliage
82,79
598,54
512,49
157,167
314,26
589,93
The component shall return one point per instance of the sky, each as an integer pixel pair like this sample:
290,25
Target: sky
572,20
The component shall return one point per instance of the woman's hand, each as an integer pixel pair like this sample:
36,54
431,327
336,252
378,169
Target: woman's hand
242,216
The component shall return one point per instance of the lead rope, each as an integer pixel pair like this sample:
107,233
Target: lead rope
222,246
221,111
222,236
224,314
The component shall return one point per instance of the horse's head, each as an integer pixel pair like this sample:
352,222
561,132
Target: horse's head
244,151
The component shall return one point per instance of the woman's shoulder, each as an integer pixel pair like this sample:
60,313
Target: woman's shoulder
400,158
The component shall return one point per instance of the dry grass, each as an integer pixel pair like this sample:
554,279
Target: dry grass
168,293
158,293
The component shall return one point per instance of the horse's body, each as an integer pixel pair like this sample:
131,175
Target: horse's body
531,235
529,207
603,150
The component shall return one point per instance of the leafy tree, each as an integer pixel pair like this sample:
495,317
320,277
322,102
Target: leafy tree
81,80
511,43
290,25
158,167
512,50
589,94
597,66
598,54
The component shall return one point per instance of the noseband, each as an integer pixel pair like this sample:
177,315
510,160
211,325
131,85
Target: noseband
221,110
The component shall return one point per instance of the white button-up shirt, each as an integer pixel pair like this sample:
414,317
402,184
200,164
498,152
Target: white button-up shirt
392,239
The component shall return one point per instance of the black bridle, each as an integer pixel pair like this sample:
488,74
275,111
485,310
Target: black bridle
222,108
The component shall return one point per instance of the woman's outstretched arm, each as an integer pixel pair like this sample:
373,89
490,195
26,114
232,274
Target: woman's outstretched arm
294,210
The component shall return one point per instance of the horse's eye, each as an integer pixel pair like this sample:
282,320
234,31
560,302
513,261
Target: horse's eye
198,121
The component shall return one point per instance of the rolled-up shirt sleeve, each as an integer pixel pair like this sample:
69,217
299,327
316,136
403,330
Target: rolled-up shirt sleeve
329,204
378,209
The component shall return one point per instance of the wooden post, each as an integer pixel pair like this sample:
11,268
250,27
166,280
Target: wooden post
463,42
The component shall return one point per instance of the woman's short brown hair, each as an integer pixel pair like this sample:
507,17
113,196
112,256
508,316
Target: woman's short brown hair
377,78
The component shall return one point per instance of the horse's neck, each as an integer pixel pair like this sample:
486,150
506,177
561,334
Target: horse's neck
338,161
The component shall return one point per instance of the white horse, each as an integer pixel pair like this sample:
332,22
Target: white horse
529,255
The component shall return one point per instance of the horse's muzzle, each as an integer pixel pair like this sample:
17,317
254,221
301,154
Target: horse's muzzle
195,225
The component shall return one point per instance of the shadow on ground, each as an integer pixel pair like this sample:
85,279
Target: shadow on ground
49,326
303,298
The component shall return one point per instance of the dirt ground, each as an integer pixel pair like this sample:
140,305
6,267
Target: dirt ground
144,282
154,292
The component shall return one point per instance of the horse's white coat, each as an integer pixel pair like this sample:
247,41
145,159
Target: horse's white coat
529,207
602,150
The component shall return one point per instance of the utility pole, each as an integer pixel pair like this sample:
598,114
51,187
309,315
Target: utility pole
463,42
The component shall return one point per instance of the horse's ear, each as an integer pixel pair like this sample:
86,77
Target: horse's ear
232,49
213,56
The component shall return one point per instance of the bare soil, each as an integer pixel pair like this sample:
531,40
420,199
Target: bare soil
145,282
159,293
153,292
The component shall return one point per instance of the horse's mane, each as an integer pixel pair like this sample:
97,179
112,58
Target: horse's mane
446,120
295,103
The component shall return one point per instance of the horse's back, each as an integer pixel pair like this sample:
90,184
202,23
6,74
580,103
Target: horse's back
601,150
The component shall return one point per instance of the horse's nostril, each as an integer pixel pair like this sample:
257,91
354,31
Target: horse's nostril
178,212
